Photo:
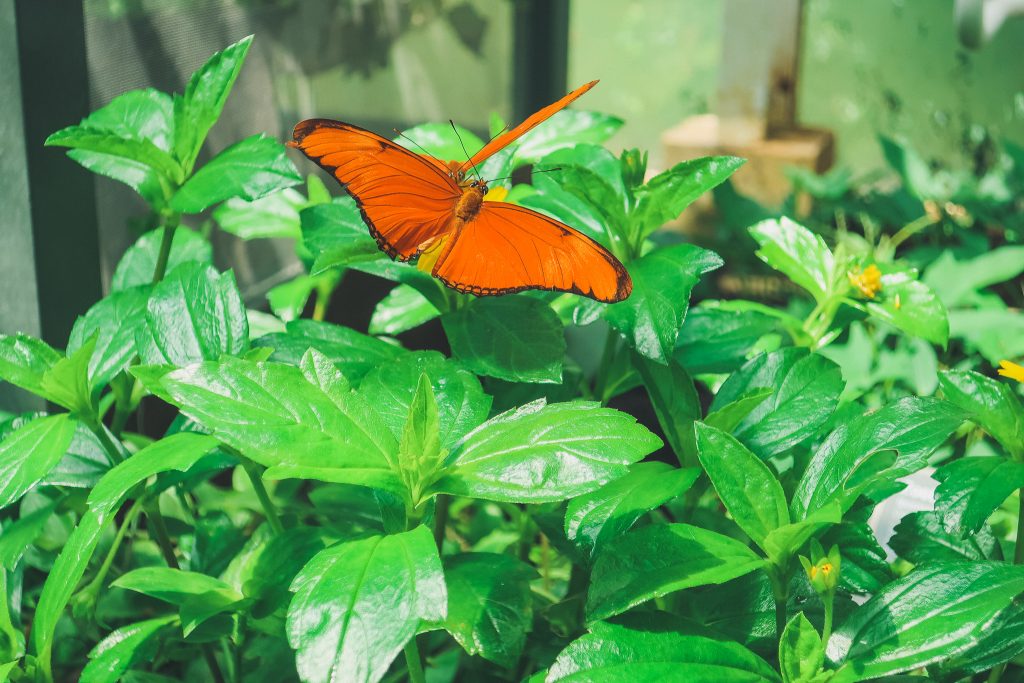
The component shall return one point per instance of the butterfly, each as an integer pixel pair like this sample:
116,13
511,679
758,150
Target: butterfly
418,207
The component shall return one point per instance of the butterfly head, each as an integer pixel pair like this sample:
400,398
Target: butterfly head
478,186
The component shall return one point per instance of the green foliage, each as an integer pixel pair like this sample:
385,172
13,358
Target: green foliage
331,504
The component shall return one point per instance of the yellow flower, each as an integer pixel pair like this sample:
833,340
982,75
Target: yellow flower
867,281
1011,370
496,194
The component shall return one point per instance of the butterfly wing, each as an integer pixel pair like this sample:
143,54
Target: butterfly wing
406,200
538,117
507,248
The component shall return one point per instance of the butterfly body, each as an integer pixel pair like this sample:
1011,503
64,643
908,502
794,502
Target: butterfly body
417,207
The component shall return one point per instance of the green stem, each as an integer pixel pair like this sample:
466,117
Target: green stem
165,247
607,356
101,574
269,510
113,452
324,290
909,230
1018,550
211,661
996,673
158,530
781,595
441,504
413,661
826,629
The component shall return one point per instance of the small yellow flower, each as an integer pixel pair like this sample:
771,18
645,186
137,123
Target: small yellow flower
1011,370
868,281
496,194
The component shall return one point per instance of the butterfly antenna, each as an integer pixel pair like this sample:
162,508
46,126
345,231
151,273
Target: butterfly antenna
469,157
546,170
403,135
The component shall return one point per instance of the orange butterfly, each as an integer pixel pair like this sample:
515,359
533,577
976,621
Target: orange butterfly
418,207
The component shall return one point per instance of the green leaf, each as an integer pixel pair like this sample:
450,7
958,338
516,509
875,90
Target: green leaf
419,448
177,452
919,311
606,200
283,419
928,616
911,427
67,383
265,568
971,489
25,360
138,264
288,299
134,149
996,333
956,282
746,486
992,405
719,336
198,109
553,200
567,128
19,534
490,609
250,169
797,253
30,452
801,652
729,416
194,314
116,321
545,453
275,215
1003,641
676,404
594,519
662,281
660,559
355,354
357,603
656,647
865,568
337,236
922,537
124,648
136,175
517,338
461,402
402,309
441,140
667,194
806,392
198,596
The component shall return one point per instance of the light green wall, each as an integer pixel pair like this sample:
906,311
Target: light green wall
866,67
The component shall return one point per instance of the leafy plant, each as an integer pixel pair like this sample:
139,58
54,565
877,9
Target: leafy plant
327,504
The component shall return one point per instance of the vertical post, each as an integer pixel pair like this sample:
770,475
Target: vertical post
55,94
757,76
541,54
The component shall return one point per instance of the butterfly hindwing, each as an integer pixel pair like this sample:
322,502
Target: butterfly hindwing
406,200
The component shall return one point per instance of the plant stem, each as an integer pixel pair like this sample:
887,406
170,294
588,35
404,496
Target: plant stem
1018,549
324,290
441,504
607,356
413,661
101,574
781,594
158,530
170,225
269,510
211,661
909,230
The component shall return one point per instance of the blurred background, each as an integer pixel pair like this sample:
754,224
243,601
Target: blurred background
815,84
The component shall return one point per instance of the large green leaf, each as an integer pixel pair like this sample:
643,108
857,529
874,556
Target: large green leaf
676,404
594,519
194,314
928,616
135,174
921,537
117,321
402,309
30,452
125,647
971,489
337,236
666,195
720,336
956,282
605,198
198,109
797,253
993,405
656,646
801,652
490,609
18,535
567,128
275,215
177,452
544,453
911,428
806,389
134,149
25,360
911,306
662,281
357,603
517,338
250,169
660,559
461,402
138,264
289,420
266,566
198,596
443,141
746,486
354,353
67,383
